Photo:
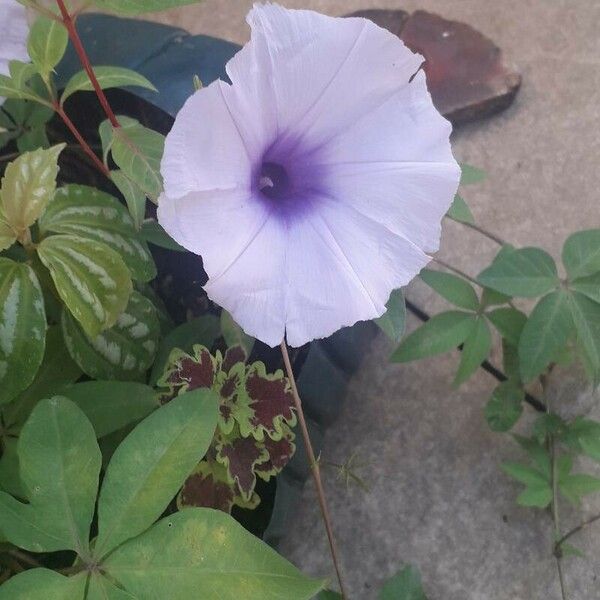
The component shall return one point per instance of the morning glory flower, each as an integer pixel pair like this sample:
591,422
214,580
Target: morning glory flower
13,34
315,183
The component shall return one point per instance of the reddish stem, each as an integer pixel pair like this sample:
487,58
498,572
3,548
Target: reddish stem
85,61
86,148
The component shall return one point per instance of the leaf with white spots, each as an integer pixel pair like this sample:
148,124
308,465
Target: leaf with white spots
27,186
83,211
90,277
60,463
22,327
125,351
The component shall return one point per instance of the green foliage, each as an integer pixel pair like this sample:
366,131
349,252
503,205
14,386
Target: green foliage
393,320
17,84
136,7
405,585
459,211
47,44
504,407
234,335
108,77
477,346
153,233
134,196
454,289
471,174
25,122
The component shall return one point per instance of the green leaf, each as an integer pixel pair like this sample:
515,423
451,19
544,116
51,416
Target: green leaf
90,277
28,184
329,595
535,496
586,435
570,550
588,286
509,322
15,86
47,43
470,174
125,351
108,77
43,584
203,330
133,195
111,405
7,235
440,334
586,316
574,486
476,348
538,492
204,549
57,370
454,289
101,588
537,452
528,272
150,466
136,7
234,335
137,151
491,297
22,327
524,474
581,253
545,334
405,585
153,233
505,406
60,464
393,320
459,211
83,211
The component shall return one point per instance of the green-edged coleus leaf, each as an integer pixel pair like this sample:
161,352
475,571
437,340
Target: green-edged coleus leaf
209,486
280,453
509,322
59,466
454,289
111,405
90,277
527,272
22,327
108,77
48,39
151,464
83,211
460,211
470,174
405,585
505,406
234,335
393,321
125,351
137,151
28,184
443,332
586,317
545,334
203,549
476,347
43,584
581,254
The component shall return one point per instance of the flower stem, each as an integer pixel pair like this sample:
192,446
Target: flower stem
84,145
85,62
314,466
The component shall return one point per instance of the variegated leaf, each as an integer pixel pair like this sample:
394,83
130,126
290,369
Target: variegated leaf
122,352
84,211
28,184
91,279
22,327
7,235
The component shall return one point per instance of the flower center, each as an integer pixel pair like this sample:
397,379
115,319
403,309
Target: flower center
274,181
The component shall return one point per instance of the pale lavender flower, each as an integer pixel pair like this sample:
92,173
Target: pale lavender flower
313,185
13,34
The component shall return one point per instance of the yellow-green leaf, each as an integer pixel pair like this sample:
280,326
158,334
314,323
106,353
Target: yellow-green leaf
47,43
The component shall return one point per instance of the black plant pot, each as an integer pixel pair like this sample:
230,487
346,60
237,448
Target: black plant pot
169,58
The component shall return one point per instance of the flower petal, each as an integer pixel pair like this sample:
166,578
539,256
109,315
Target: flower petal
205,149
13,34
318,63
341,267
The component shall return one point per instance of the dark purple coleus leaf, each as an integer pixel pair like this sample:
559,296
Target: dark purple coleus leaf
280,452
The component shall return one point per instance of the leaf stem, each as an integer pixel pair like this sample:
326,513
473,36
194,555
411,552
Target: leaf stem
458,272
488,234
85,62
577,529
314,466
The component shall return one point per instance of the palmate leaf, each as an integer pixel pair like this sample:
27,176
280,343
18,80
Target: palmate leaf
588,286
405,585
22,327
43,584
440,334
125,351
150,466
80,210
47,43
393,321
505,406
527,272
509,322
454,289
477,346
581,254
60,483
27,186
538,491
545,334
586,317
204,551
460,211
108,77
470,174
